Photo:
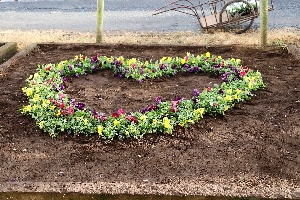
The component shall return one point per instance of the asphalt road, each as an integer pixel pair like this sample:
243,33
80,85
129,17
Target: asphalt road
119,15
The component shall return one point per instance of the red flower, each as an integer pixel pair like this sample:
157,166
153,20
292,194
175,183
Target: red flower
186,58
48,68
209,89
132,119
63,112
62,105
103,118
242,73
115,115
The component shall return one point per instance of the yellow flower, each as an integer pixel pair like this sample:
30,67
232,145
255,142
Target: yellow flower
169,59
191,121
220,57
235,96
100,129
143,117
85,121
166,123
181,124
207,54
52,107
182,61
154,122
238,91
126,133
36,75
116,123
250,85
29,91
121,58
238,60
200,111
229,92
41,124
27,108
35,107
36,98
58,113
226,108
228,98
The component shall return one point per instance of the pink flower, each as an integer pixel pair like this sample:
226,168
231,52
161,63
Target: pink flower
121,112
209,89
70,110
174,105
63,112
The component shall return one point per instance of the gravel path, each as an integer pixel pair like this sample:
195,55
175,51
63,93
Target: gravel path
127,15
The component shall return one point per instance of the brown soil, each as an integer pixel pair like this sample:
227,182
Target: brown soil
254,150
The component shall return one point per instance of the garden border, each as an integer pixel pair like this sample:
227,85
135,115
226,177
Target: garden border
7,50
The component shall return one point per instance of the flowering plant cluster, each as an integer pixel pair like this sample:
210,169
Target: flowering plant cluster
242,9
55,112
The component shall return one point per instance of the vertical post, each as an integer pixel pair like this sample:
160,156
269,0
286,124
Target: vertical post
100,11
263,22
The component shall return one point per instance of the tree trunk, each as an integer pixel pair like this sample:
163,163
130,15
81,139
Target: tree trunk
100,11
263,22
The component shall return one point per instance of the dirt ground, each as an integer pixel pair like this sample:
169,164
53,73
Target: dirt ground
254,150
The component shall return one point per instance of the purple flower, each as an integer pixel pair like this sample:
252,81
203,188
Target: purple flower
79,64
94,67
70,67
64,79
196,93
158,100
140,80
77,75
196,68
94,59
145,110
141,71
217,67
174,67
62,86
72,101
235,70
162,67
80,106
186,66
220,91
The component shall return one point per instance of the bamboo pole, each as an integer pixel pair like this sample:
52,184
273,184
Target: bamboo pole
263,22
99,28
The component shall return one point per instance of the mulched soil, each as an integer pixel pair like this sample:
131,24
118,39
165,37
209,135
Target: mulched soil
254,150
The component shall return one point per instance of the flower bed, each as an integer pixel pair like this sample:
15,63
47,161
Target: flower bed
55,112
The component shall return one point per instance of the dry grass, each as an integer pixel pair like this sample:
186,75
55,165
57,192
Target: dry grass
275,37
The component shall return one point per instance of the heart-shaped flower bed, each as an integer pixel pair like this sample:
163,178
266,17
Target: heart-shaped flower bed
55,112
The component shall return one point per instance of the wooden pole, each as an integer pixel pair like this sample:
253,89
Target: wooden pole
263,22
100,11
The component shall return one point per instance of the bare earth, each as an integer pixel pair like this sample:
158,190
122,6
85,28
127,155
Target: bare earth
254,150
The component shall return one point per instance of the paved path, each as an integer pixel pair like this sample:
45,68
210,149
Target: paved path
128,15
